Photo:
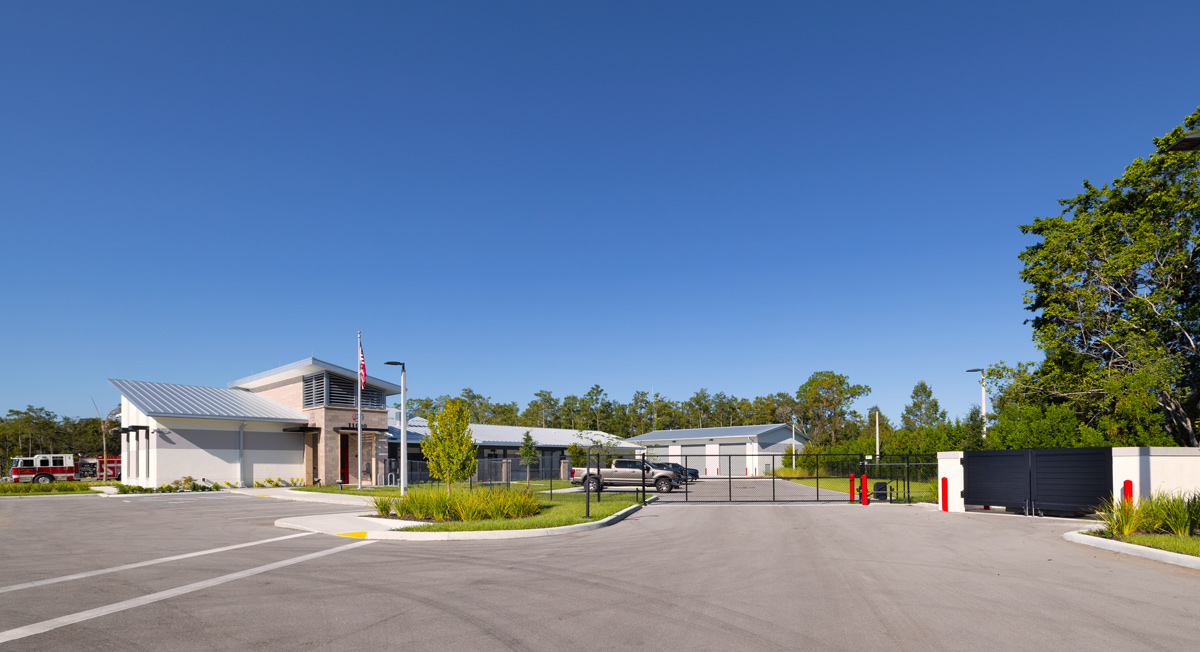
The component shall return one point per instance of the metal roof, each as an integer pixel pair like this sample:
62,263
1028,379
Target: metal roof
724,432
492,435
303,368
190,401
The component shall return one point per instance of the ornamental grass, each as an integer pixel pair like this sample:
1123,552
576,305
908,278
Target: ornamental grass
438,504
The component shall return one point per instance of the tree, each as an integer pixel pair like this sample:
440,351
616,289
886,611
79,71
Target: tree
923,411
529,454
577,454
823,404
1115,284
448,448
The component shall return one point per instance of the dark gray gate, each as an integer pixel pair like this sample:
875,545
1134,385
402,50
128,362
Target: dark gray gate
1039,479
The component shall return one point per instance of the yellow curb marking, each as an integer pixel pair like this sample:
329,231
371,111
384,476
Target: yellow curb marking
355,535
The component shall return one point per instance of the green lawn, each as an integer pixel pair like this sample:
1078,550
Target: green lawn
1169,542
919,490
565,510
536,485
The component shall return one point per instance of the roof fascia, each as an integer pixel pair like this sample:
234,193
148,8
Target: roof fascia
303,368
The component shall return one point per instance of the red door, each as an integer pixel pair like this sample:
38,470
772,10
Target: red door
345,459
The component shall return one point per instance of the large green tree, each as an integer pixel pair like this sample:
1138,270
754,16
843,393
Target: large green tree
823,405
1115,284
923,411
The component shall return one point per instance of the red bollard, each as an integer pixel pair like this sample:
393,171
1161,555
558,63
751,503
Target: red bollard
945,498
851,487
864,489
1128,492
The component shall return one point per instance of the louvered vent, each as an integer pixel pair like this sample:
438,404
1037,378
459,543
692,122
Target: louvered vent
314,390
340,392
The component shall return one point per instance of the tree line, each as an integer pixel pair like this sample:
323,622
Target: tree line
36,430
821,408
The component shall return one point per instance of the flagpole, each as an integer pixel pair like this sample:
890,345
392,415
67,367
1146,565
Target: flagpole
358,402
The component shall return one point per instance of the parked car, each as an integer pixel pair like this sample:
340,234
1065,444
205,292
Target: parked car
626,473
683,471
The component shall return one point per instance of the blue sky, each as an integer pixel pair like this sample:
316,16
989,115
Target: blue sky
546,195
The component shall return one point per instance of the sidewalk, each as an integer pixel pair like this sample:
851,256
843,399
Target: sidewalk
284,493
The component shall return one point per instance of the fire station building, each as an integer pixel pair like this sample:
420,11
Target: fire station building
294,422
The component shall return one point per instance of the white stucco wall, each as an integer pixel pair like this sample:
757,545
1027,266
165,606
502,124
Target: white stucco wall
208,448
1156,469
950,467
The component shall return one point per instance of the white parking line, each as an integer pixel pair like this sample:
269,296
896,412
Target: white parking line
71,619
160,560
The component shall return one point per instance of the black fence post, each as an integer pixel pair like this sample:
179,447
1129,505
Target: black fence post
729,470
817,460
643,479
772,463
685,485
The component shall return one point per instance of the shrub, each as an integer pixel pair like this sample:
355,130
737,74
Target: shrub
383,505
436,503
1120,518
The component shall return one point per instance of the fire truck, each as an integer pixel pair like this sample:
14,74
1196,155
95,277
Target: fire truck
50,468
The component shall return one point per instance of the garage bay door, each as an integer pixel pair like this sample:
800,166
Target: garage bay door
733,459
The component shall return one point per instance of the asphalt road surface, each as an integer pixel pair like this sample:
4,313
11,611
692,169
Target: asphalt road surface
161,573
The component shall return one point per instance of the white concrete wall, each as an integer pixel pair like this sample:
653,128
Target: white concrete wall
950,467
1156,469
136,460
712,457
208,448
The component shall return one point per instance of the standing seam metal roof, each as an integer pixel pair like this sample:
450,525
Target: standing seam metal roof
190,401
494,435
713,433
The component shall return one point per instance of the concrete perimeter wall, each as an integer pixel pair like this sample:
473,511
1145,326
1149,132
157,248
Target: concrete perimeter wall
1156,469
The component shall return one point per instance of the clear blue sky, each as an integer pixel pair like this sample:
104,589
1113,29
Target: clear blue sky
521,196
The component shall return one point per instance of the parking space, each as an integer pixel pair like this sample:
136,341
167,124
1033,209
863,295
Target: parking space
704,577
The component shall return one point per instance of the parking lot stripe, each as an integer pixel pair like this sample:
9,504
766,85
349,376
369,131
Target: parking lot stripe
71,619
160,560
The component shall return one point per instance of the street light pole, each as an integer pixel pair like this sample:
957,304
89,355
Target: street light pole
982,399
403,427
876,436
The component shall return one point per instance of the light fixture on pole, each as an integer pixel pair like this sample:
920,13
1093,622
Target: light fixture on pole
1187,143
982,399
403,479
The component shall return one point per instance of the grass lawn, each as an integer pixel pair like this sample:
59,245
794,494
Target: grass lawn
1169,542
46,490
919,490
536,485
564,510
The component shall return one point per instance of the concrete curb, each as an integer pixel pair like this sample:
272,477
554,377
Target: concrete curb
1153,554
476,535
502,534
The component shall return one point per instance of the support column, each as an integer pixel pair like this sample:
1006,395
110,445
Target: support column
144,456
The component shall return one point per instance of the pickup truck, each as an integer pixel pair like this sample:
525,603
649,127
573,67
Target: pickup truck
624,473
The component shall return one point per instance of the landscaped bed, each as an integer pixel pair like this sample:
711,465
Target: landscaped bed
463,510
1163,520
46,489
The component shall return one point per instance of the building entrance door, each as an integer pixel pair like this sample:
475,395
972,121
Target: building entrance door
345,459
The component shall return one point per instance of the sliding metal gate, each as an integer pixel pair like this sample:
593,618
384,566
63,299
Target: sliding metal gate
774,477
1039,479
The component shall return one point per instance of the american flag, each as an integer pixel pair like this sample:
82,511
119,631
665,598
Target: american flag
362,366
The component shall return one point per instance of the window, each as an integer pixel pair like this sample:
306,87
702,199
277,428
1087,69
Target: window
56,461
45,461
625,464
27,463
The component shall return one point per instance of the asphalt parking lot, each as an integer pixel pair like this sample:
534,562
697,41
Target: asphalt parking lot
718,577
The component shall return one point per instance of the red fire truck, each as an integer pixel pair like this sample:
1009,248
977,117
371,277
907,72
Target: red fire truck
50,468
